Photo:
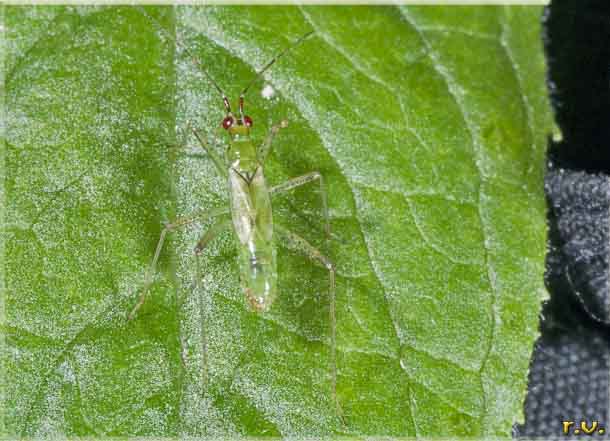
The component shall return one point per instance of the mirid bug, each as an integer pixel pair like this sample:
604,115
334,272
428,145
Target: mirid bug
250,212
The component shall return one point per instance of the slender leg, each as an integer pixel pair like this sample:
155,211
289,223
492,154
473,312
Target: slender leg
297,243
178,223
218,162
302,180
218,227
265,147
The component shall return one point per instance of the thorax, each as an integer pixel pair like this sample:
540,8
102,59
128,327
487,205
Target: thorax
250,204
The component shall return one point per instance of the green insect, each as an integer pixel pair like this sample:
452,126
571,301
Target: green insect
250,211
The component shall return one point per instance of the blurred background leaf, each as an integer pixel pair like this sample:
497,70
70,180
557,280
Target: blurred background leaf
429,125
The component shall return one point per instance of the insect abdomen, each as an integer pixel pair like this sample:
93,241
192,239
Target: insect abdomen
251,210
259,277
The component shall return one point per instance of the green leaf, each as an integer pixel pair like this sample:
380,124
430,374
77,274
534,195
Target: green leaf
429,126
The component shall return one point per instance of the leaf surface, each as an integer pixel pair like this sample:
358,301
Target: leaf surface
429,126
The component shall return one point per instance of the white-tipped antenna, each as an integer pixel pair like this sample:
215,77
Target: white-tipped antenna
270,63
195,60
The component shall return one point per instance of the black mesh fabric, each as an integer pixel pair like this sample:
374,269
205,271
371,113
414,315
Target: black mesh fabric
569,373
568,382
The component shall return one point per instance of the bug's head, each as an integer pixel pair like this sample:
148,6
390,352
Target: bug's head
240,126
236,125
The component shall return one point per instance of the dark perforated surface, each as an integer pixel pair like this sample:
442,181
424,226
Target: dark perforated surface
569,374
580,203
568,382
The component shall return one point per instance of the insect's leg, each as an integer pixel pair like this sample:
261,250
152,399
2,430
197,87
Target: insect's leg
218,162
218,227
265,148
297,243
178,223
302,180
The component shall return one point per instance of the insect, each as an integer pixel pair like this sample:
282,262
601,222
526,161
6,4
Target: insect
250,211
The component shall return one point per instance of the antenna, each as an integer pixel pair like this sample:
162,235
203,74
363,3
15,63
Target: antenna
157,25
270,63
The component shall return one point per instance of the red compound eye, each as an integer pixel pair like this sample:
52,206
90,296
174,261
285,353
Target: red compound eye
227,122
248,121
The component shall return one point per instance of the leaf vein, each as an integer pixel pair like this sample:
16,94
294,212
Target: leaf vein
364,71
527,108
479,157
429,242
